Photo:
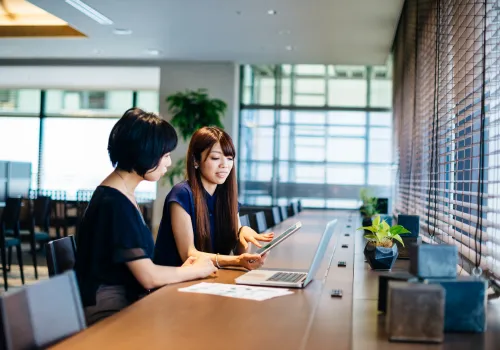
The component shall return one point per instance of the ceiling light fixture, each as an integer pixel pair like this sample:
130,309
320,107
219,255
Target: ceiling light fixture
272,12
89,12
153,52
289,47
122,31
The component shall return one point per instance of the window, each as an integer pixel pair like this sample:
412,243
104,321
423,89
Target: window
19,142
300,138
21,101
87,103
8,99
446,115
75,154
148,101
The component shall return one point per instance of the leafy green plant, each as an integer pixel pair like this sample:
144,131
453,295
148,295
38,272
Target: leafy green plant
382,234
369,206
192,110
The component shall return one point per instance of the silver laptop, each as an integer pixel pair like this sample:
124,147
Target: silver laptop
290,279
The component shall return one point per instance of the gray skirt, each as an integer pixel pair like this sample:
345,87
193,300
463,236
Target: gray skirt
109,300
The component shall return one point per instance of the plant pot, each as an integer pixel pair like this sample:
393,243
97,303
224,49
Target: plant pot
380,258
367,221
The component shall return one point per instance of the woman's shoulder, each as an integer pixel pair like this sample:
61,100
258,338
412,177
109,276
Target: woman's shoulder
181,189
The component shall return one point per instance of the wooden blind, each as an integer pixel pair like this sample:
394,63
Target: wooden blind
447,124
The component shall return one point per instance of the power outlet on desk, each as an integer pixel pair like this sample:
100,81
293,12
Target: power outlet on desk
341,264
345,246
336,293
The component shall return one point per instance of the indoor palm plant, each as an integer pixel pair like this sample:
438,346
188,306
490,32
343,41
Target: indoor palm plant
192,110
380,251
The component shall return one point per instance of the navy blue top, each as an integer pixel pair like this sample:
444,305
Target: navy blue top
166,252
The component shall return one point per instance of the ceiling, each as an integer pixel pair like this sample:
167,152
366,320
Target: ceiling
301,31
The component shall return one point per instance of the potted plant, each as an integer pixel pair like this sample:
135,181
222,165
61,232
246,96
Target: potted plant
368,208
380,251
190,111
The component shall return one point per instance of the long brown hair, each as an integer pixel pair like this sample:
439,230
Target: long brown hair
226,203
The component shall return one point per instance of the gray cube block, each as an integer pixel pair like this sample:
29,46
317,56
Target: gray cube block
433,260
465,303
415,312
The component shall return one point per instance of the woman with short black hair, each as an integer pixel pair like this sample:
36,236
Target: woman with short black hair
114,245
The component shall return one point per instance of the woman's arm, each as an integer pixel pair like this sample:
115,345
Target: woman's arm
184,239
152,276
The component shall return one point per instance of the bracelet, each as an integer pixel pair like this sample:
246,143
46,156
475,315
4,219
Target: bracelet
217,260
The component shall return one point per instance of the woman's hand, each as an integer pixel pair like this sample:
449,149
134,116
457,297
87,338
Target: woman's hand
251,261
203,264
248,235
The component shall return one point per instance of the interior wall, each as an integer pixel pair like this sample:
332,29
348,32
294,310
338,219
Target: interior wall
221,80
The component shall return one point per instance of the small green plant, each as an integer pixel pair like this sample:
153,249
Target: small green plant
369,207
382,234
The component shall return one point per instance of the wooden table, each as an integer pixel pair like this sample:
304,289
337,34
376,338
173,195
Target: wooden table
308,319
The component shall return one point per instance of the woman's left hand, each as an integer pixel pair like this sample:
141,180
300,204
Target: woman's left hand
248,235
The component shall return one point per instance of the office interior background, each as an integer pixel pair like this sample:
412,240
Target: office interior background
406,108
325,98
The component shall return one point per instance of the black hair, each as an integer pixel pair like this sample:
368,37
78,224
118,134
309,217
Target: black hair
139,140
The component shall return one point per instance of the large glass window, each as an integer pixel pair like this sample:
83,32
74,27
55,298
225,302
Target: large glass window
75,129
87,103
22,101
19,142
311,133
75,154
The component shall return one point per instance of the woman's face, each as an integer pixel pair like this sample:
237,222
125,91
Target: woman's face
215,166
156,174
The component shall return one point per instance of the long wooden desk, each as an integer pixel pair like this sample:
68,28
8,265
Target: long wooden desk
307,319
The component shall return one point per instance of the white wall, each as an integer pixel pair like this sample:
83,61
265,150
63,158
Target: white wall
79,77
221,80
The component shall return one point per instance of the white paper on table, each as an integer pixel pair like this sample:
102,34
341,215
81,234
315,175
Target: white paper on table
236,291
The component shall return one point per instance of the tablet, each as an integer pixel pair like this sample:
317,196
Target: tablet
291,230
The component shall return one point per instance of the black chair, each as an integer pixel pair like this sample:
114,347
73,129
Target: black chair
284,212
244,220
276,215
293,209
258,222
41,314
61,255
40,218
299,205
10,236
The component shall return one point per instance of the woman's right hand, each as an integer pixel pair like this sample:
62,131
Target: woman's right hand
203,264
250,261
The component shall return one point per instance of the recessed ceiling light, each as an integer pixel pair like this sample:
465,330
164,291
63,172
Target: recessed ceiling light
122,31
153,52
289,48
97,51
89,12
272,12
284,32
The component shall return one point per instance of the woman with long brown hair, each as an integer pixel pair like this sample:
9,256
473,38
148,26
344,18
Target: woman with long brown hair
200,215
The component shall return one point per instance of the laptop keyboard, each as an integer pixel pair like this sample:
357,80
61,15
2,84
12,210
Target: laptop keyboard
290,277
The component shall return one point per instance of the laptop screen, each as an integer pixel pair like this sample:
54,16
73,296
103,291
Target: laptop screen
320,251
